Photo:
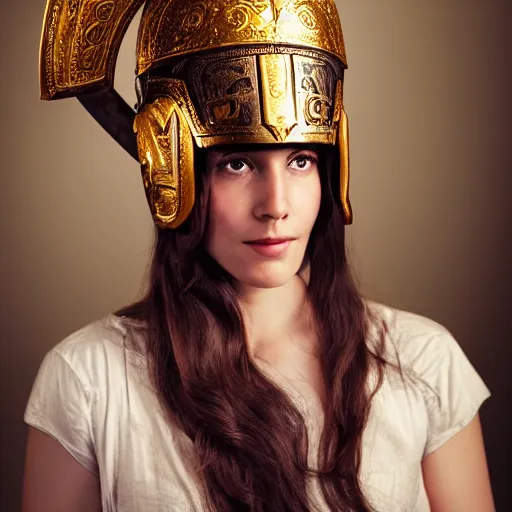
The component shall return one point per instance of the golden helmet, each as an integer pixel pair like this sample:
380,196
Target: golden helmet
209,73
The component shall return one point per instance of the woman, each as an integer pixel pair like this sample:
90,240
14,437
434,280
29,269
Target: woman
252,376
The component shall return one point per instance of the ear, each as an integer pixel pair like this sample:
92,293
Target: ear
166,153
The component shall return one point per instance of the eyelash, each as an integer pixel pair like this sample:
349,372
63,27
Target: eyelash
224,165
311,159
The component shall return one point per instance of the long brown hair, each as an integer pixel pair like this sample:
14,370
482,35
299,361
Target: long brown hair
251,441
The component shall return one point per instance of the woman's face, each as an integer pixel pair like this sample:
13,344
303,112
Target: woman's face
263,206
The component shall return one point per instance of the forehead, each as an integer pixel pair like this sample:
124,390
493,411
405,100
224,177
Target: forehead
267,150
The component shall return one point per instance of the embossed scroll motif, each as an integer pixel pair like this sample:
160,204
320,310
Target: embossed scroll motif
166,154
315,83
228,92
80,43
180,27
98,25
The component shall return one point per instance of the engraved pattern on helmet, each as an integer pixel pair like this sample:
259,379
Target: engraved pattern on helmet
316,87
245,92
230,92
95,35
178,27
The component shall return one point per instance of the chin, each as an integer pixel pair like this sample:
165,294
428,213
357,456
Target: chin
266,279
262,274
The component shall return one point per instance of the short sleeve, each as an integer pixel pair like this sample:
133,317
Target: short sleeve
60,405
453,392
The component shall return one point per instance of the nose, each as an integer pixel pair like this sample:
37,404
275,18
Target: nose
272,194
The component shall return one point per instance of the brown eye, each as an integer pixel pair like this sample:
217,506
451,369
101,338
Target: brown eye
236,165
304,162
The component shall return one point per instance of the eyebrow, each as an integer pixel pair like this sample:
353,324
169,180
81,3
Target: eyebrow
250,150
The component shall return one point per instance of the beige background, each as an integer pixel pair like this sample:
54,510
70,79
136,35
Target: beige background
427,93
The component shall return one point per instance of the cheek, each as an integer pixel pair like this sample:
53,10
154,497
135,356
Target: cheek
220,219
225,215
309,201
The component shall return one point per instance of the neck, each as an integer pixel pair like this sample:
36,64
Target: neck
274,316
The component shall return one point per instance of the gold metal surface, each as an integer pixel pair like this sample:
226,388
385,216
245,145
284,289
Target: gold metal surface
245,96
279,115
343,145
213,72
166,154
80,43
179,27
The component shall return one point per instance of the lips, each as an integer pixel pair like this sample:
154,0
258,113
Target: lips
270,247
270,241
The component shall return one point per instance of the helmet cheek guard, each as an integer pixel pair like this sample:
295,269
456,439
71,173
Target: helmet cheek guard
166,154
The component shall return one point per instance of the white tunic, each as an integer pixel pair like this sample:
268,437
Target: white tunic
93,394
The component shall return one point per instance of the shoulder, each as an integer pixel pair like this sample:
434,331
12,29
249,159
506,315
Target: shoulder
432,362
74,377
405,323
100,348
412,340
427,354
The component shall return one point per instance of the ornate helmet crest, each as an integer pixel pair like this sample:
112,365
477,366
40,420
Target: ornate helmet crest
209,72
